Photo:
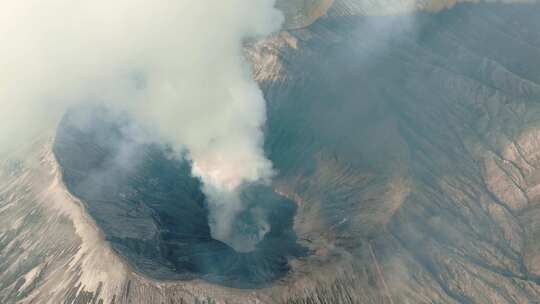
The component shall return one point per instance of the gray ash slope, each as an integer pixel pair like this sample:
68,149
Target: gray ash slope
430,195
413,139
153,211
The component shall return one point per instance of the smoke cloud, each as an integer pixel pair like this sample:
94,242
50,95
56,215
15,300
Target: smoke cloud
174,65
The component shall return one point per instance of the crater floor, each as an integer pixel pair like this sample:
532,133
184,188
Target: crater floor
153,212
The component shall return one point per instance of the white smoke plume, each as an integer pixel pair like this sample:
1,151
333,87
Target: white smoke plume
175,65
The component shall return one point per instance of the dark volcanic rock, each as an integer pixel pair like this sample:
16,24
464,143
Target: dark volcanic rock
153,211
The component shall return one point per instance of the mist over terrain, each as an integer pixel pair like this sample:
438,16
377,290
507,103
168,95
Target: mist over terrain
402,140
175,66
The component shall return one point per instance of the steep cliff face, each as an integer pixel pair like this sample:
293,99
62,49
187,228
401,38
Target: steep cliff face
409,144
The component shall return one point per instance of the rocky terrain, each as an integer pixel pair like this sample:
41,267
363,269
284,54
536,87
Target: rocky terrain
302,13
409,144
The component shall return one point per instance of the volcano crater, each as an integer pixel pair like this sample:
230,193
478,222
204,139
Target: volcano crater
154,213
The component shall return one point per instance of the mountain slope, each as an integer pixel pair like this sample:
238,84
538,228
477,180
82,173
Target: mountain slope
435,179
410,145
